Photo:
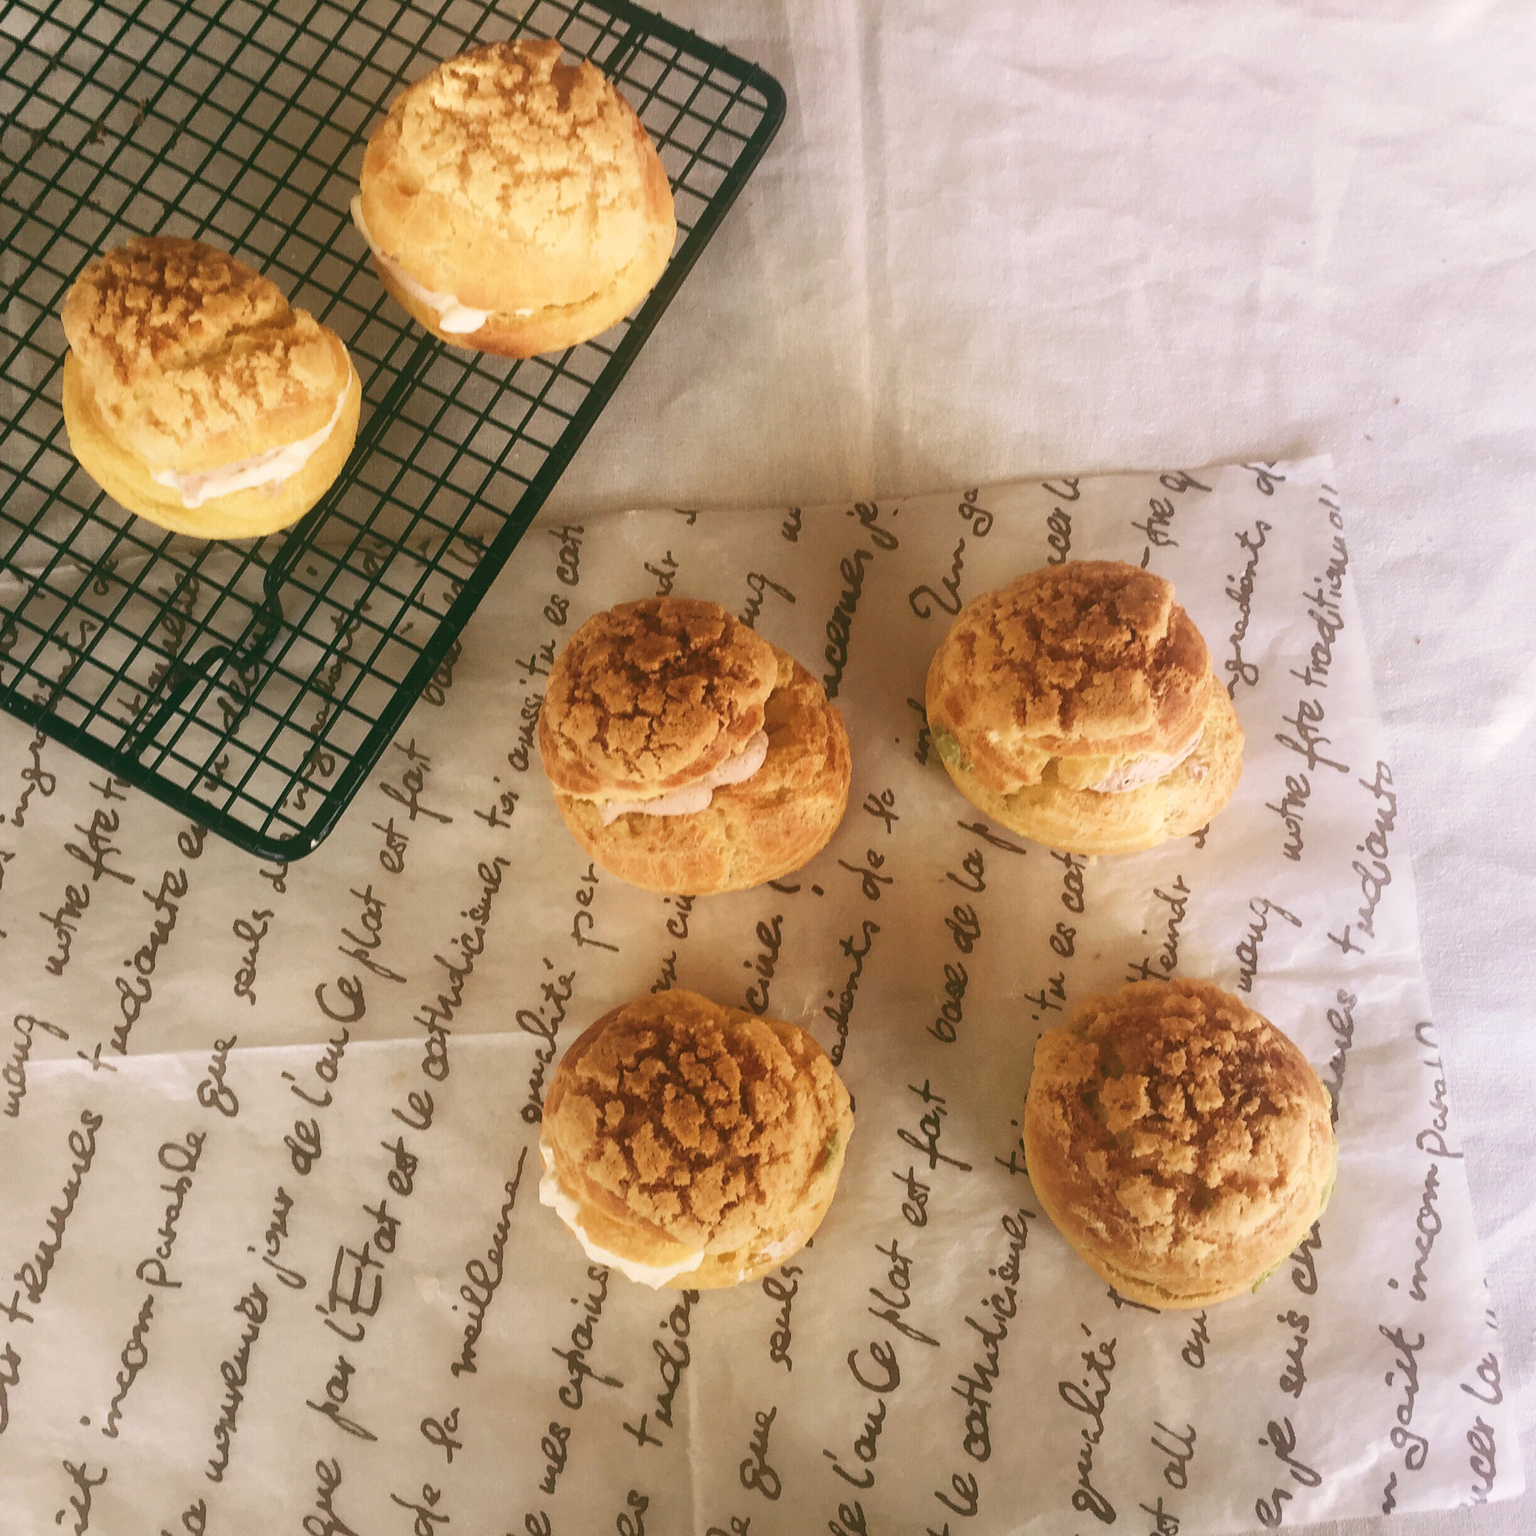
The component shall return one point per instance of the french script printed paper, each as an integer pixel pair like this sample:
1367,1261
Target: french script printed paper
272,1249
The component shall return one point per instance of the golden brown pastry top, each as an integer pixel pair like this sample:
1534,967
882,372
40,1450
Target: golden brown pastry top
1181,1118
650,696
751,832
512,180
193,360
1092,660
706,1122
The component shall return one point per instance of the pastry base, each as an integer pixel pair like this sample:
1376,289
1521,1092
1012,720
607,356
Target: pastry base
1084,821
243,514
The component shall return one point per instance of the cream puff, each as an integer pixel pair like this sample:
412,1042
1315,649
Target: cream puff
514,203
1178,1140
692,1146
687,754
1077,706
197,397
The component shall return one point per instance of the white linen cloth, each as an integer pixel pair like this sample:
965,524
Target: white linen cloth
996,240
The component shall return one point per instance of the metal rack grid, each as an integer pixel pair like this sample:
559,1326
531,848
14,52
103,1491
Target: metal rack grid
252,685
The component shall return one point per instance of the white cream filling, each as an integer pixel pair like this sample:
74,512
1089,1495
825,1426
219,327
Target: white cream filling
694,797
1141,771
261,469
653,1275
452,316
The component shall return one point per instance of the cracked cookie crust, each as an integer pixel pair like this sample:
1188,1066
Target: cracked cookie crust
522,188
651,696
192,359
186,364
1180,1142
1092,659
677,1127
1077,705
655,696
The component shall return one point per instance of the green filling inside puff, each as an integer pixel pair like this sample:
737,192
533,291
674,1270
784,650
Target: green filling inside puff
949,750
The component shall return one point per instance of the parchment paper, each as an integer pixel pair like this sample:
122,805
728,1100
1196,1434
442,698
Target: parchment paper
269,1227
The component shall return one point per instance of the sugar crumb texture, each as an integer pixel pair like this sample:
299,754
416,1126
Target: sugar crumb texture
1192,1115
184,347
1091,656
652,695
545,147
706,1121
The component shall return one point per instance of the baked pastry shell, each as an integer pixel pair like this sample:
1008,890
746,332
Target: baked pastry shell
554,327
193,360
609,1224
1087,1213
752,832
651,696
1087,664
610,1227
244,514
1087,821
441,242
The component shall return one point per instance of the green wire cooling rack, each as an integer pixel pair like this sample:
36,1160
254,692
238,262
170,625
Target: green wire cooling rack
252,685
